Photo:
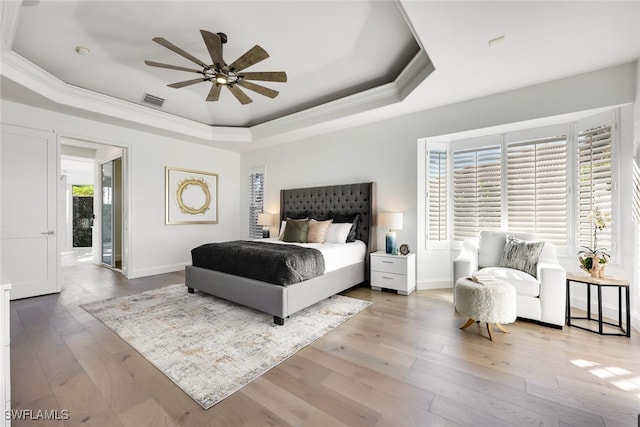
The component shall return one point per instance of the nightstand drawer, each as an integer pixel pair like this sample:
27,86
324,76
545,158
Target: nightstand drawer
388,280
395,265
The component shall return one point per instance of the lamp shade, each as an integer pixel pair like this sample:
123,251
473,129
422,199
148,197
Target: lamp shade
265,219
390,220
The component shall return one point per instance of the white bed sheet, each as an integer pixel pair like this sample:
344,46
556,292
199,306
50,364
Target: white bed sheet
336,255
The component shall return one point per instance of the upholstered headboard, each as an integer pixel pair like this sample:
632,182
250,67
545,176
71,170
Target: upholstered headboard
340,199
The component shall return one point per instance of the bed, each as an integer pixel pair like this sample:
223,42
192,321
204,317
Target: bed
283,301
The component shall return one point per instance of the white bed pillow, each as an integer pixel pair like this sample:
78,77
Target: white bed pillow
338,233
282,226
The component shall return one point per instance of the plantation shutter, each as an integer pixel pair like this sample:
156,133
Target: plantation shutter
636,190
594,159
437,197
537,188
476,191
256,201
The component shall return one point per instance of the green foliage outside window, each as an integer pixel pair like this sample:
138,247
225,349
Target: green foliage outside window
83,191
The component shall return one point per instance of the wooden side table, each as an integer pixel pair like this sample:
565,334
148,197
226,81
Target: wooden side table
599,284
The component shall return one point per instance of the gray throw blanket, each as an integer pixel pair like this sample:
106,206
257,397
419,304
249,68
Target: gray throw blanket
268,262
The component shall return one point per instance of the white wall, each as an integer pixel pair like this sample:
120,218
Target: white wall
386,152
364,154
154,247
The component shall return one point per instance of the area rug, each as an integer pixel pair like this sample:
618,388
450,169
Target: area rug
211,347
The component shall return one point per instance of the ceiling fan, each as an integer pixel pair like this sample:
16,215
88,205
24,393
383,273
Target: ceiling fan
219,73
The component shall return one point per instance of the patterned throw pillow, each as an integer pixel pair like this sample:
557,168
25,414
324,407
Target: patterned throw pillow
521,255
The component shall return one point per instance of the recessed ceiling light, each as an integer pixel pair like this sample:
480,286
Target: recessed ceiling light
496,40
83,50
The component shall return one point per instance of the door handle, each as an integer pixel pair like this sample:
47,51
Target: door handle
49,233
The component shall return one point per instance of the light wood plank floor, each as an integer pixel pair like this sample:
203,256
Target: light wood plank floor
401,362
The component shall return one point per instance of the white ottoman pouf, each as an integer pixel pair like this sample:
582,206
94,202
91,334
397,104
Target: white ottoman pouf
490,301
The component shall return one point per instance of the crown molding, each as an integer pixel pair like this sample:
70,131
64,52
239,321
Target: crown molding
331,116
27,74
313,121
321,119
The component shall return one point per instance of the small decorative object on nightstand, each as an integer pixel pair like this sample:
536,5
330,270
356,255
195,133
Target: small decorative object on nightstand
390,221
395,272
265,220
404,249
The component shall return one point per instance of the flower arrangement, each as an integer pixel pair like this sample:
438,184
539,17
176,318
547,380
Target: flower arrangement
593,260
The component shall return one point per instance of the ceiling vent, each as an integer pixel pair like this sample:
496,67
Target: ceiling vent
156,101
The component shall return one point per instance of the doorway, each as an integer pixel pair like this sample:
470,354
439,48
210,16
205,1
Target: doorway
82,212
75,211
100,221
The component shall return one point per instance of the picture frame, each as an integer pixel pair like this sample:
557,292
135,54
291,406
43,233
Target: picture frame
191,196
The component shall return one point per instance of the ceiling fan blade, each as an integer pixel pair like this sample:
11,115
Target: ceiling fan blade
240,95
267,76
187,83
257,88
214,93
172,67
250,57
214,46
166,43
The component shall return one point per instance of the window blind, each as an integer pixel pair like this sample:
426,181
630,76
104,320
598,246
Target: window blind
636,191
594,182
437,195
537,188
256,202
476,191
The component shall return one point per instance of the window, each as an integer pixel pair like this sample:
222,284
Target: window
543,180
476,191
594,182
256,201
537,188
636,190
436,202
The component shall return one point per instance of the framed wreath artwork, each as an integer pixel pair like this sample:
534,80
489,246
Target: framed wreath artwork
191,197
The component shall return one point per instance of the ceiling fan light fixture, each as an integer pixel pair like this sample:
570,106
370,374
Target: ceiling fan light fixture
222,78
219,73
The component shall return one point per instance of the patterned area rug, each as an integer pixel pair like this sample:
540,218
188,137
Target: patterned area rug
211,347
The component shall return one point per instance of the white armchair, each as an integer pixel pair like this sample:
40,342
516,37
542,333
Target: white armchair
541,298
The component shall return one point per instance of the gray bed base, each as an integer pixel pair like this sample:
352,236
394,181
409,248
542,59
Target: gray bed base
279,301
283,301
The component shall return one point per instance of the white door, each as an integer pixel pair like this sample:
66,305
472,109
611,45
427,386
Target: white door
28,250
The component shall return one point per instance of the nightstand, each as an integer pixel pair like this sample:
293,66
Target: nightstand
396,272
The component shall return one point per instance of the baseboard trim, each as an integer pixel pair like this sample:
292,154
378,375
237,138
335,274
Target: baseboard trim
134,274
434,284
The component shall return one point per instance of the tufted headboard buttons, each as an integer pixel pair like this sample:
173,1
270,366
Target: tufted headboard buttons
341,199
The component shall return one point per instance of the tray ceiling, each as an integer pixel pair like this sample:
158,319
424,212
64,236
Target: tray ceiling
348,62
329,50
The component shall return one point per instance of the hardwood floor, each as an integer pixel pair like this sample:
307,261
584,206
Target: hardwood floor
401,362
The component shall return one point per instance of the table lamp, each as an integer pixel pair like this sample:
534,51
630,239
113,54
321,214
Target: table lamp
391,221
265,220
